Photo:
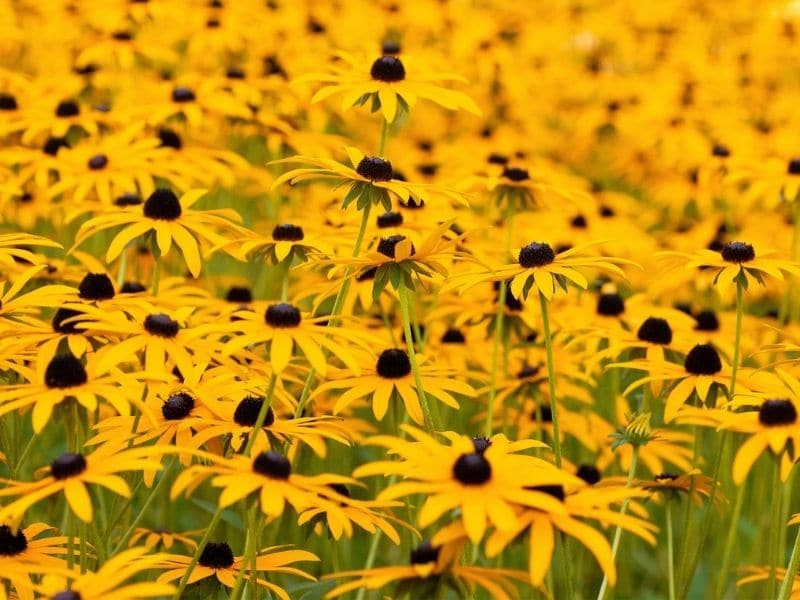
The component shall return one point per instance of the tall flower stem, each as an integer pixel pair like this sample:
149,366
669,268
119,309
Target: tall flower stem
670,552
729,539
622,511
737,339
156,273
384,136
691,565
196,557
250,552
338,303
143,511
262,415
775,527
499,324
706,527
551,378
431,423
123,267
791,570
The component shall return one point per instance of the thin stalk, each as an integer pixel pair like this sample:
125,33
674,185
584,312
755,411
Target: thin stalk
736,341
249,551
262,415
338,303
551,378
788,578
384,136
722,449
24,455
499,323
123,267
156,275
623,509
431,423
196,557
777,523
729,539
686,579
371,555
148,501
670,552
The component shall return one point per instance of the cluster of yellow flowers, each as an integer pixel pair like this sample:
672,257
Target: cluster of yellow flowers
440,299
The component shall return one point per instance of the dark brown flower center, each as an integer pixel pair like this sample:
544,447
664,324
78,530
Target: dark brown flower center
163,205
536,254
388,68
65,371
777,412
703,359
68,465
273,465
282,315
216,555
472,469
737,252
393,364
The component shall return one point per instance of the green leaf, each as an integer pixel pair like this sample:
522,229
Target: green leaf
353,193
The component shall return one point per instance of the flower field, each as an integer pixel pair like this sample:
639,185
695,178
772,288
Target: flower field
434,299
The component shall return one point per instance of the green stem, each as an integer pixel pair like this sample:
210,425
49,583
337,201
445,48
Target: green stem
338,303
551,378
249,551
670,552
371,555
156,274
498,334
123,267
737,340
262,415
729,540
431,423
24,455
777,523
788,579
68,528
686,579
148,501
623,509
196,557
384,136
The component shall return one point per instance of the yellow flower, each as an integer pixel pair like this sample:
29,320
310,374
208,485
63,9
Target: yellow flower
387,86
540,269
170,219
108,580
71,473
485,479
737,261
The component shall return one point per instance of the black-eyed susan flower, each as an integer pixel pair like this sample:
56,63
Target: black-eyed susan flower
283,328
386,85
71,472
109,581
702,368
30,551
486,479
429,568
64,377
217,560
170,219
539,268
736,261
390,379
371,180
